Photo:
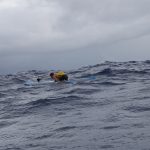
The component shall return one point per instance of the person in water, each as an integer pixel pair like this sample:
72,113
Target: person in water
59,76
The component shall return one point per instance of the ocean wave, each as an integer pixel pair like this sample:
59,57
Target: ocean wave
103,106
137,109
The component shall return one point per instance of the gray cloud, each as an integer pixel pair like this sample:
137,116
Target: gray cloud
44,26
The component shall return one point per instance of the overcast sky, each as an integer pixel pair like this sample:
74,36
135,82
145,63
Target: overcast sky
65,34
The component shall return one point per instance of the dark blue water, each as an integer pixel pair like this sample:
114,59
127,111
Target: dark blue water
102,107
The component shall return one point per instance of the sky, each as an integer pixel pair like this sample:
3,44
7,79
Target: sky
68,34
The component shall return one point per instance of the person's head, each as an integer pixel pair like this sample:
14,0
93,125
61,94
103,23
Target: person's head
38,79
51,75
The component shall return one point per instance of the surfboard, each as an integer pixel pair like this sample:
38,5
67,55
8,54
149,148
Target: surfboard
31,82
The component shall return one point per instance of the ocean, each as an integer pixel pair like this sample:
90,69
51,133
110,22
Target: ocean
101,107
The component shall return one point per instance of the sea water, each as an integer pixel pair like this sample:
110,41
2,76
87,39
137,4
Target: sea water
101,107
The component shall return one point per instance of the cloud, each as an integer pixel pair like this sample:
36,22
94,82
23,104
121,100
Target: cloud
32,25
104,21
70,33
27,26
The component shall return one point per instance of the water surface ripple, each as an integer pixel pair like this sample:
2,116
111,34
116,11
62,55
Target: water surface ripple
101,107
